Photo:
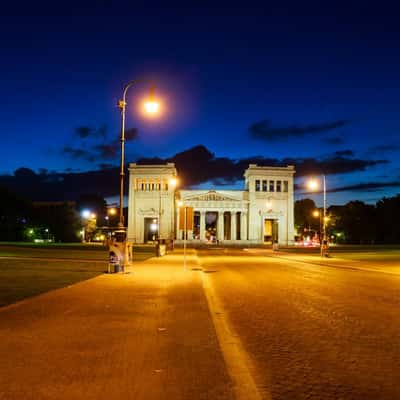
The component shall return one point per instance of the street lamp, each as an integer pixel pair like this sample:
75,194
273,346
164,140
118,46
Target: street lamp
151,107
317,214
314,184
85,214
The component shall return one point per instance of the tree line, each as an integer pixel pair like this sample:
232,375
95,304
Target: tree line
24,220
354,223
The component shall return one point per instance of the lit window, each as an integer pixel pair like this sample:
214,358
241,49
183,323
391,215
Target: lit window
264,186
257,185
278,186
271,186
285,186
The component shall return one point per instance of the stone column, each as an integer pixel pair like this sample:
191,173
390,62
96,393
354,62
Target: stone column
220,226
202,225
243,227
233,225
177,231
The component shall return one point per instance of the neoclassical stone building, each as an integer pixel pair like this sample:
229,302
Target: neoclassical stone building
261,213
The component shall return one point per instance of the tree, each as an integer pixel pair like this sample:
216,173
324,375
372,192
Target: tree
303,215
388,218
61,219
14,215
96,204
357,221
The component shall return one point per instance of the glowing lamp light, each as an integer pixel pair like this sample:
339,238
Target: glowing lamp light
93,215
313,184
173,182
112,211
316,213
85,213
151,105
153,227
179,203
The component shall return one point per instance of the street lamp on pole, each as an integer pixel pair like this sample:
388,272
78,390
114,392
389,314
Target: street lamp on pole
317,214
151,106
314,185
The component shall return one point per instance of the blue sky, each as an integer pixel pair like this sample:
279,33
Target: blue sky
219,70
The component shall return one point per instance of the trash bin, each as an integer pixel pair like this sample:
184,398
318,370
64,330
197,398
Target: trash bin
118,268
118,256
161,248
114,263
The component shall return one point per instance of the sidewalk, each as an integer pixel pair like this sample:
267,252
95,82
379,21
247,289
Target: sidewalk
143,335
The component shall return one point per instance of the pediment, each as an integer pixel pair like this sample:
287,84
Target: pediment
212,195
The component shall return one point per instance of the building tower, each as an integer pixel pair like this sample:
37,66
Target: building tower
271,215
151,202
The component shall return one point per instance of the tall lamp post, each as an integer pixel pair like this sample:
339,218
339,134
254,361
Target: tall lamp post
151,107
313,184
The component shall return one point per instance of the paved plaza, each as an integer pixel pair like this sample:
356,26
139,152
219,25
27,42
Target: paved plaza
235,324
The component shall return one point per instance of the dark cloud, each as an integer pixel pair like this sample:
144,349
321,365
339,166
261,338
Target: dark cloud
106,166
195,166
384,148
366,187
101,147
348,153
264,130
334,140
107,151
78,153
198,165
332,165
62,186
85,131
131,134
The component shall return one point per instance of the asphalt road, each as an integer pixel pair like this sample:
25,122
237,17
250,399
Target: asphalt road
233,324
311,331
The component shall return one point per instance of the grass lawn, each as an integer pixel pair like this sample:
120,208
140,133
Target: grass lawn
51,250
57,266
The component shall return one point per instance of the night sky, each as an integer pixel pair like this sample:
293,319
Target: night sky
313,85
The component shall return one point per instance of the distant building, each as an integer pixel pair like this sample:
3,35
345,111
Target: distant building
261,213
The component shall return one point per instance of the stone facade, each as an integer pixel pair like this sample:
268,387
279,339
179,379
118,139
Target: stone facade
262,213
